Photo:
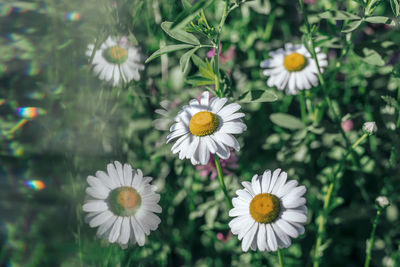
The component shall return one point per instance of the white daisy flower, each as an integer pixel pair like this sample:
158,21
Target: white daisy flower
122,204
205,127
293,68
268,211
116,61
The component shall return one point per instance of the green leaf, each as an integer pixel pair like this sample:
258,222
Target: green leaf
380,19
371,57
188,15
338,15
328,41
167,49
352,26
391,101
258,96
396,70
395,4
186,4
361,2
286,121
184,60
199,81
179,34
199,62
207,71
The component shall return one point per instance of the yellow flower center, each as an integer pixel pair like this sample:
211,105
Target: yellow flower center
264,208
294,62
124,201
203,123
116,54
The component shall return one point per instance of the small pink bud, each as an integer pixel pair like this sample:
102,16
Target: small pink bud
347,125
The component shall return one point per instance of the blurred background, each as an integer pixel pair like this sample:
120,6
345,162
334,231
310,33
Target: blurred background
59,123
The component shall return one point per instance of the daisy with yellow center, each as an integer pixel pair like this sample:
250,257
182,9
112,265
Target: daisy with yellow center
116,61
268,211
293,68
122,204
204,127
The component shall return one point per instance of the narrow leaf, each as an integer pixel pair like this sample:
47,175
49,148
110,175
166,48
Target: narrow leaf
338,15
199,62
395,5
186,4
167,49
199,81
380,19
258,96
184,60
207,74
179,34
188,15
352,26
286,121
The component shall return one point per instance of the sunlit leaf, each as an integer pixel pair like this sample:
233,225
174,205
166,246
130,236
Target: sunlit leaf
179,34
199,81
184,60
258,96
380,19
352,26
167,49
338,15
286,121
395,5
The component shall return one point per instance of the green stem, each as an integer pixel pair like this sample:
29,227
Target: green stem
359,141
398,100
227,10
303,107
221,181
323,217
280,257
372,237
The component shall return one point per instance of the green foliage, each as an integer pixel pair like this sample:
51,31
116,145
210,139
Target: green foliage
84,123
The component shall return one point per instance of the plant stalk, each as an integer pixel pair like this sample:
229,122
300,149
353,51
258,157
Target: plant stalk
221,180
372,237
280,257
323,217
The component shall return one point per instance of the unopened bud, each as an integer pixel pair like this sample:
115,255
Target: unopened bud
370,127
382,201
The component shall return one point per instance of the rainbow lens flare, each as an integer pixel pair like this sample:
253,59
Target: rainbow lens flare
35,184
30,112
72,16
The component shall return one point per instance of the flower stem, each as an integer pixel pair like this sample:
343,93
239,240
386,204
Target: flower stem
320,76
280,257
359,141
323,217
221,181
303,112
372,237
398,100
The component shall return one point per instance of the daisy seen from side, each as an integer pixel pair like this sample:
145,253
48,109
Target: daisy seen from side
122,203
268,212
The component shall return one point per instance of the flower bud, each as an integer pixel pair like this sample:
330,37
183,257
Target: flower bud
370,127
382,201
